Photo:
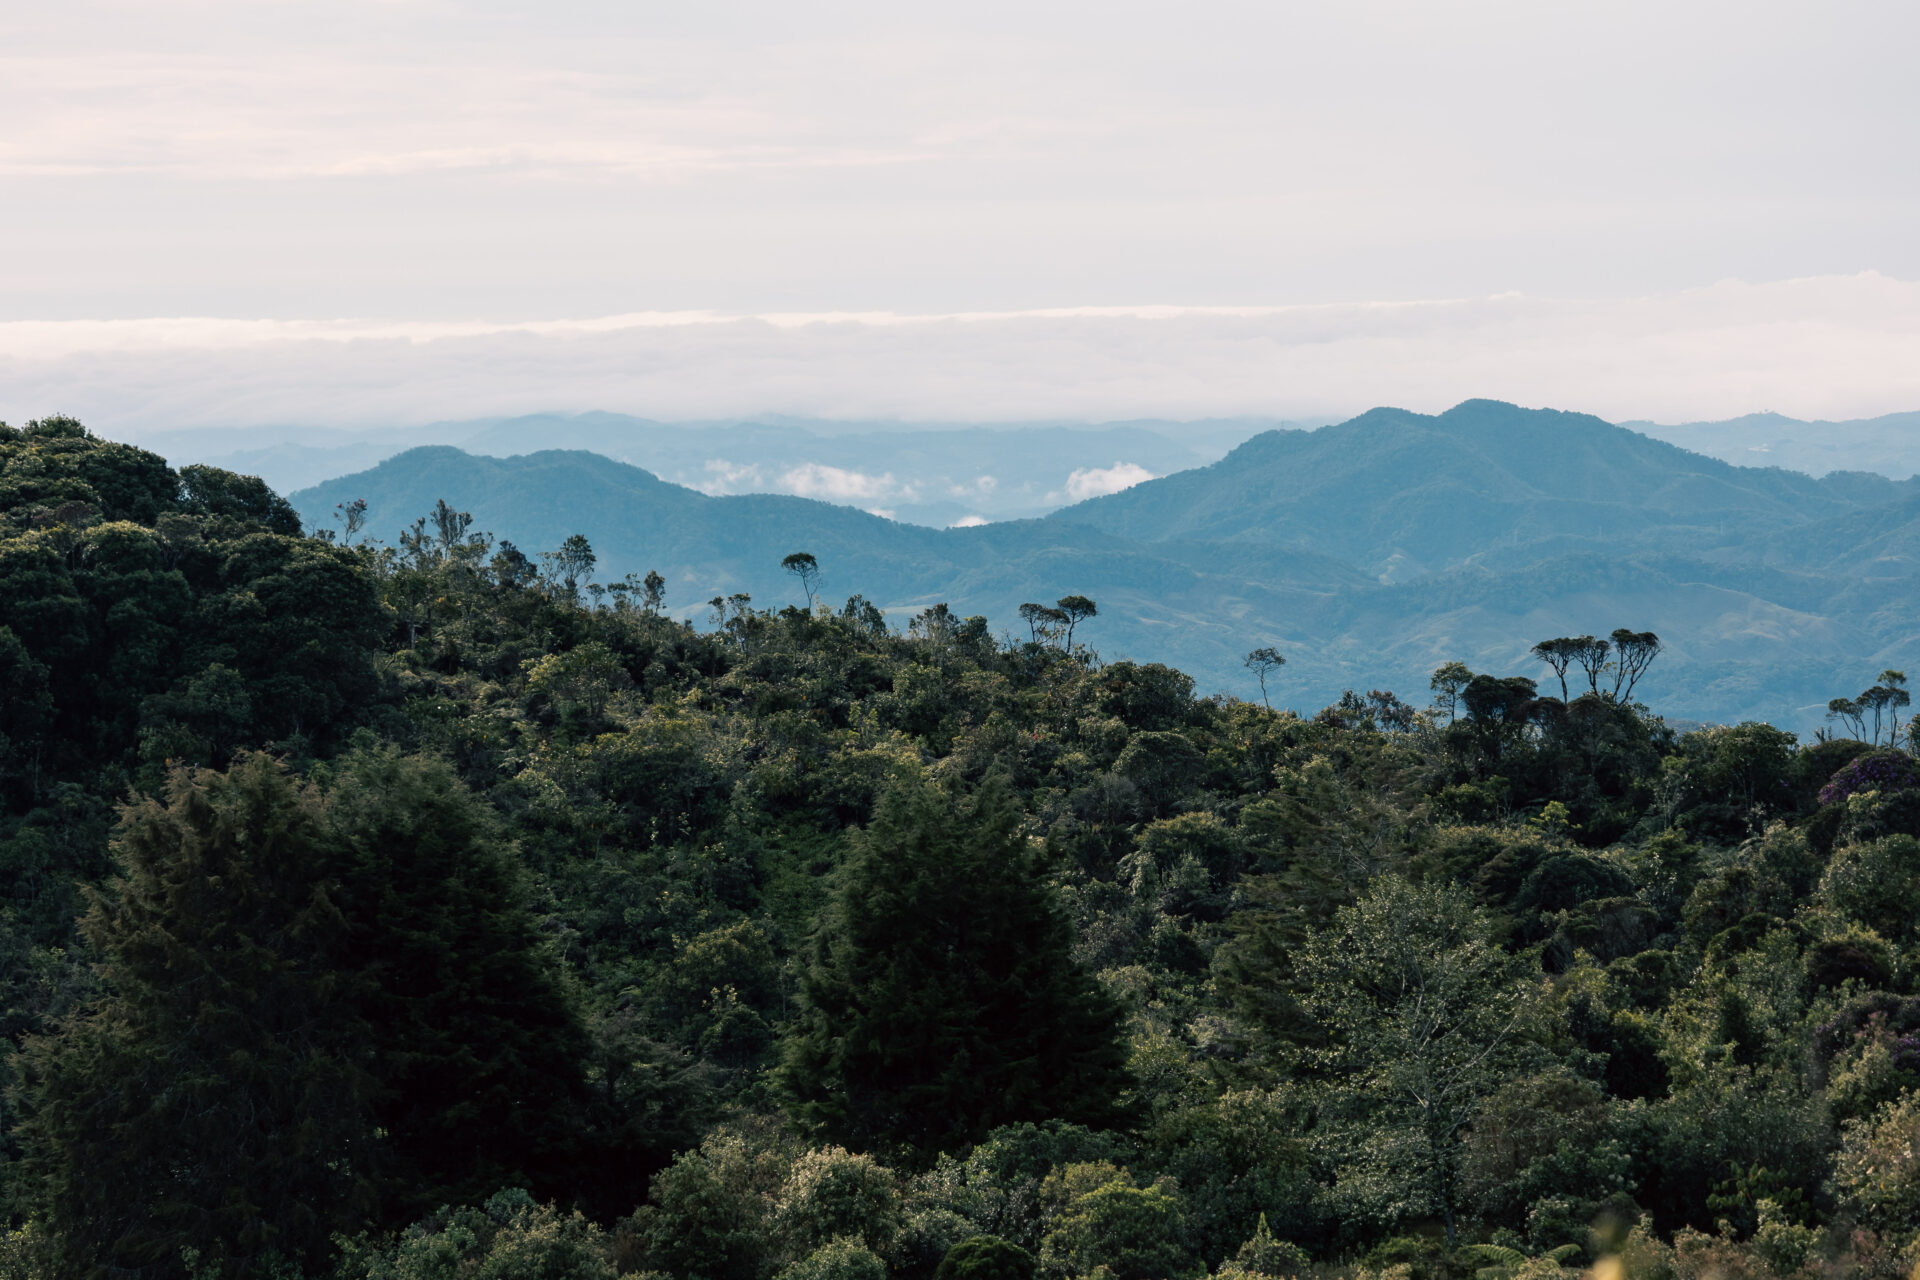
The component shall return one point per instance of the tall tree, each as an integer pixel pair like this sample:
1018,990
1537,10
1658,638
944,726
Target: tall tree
803,566
1883,701
1591,654
1076,610
477,1045
1634,652
216,1098
1043,621
941,998
654,593
1260,662
1558,654
1419,1013
1446,685
325,1005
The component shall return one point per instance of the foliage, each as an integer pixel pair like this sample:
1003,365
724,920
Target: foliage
986,1258
214,1099
1420,1017
1105,1218
941,998
509,1238
795,943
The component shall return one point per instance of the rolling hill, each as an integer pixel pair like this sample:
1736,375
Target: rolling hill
1369,552
928,474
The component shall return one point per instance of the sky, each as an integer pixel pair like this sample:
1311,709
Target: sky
353,212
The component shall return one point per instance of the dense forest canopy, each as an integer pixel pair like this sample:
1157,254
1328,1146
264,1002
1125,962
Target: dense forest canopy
444,908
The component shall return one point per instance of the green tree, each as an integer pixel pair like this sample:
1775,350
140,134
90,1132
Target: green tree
1592,655
325,1003
1076,610
510,1237
1634,652
1557,654
1421,1014
216,1098
1105,1219
247,499
803,566
832,1194
571,565
1043,621
986,1258
478,1047
708,1213
941,997
1877,1170
842,1259
1264,1255
1446,684
1262,661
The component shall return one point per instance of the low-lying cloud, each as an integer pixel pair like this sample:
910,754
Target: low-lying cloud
807,480
1094,482
1824,347
838,484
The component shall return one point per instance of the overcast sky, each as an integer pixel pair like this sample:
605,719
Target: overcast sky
418,163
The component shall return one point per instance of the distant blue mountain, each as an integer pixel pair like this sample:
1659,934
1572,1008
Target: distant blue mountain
1484,482
1369,552
926,474
1888,445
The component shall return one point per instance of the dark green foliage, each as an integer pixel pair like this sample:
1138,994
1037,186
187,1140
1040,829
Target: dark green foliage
986,1258
940,998
544,888
216,1097
246,500
510,1237
476,1044
335,998
1103,1217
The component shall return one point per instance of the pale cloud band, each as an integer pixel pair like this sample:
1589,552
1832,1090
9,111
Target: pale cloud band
1820,347
1095,482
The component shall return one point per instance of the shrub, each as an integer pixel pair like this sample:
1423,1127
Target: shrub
833,1194
986,1258
838,1259
1875,771
509,1238
1877,1171
1105,1219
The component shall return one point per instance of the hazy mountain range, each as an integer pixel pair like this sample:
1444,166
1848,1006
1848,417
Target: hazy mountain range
940,474
1889,445
931,475
1368,551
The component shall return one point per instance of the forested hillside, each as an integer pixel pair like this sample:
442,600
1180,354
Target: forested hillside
445,908
1374,550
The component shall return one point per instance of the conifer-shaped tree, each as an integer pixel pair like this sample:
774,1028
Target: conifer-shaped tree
478,1047
212,1099
941,998
325,1007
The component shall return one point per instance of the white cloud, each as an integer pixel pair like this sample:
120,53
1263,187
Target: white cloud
729,477
968,522
1092,482
837,484
1821,347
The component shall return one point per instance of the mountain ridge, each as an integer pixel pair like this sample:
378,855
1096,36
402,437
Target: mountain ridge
1775,592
